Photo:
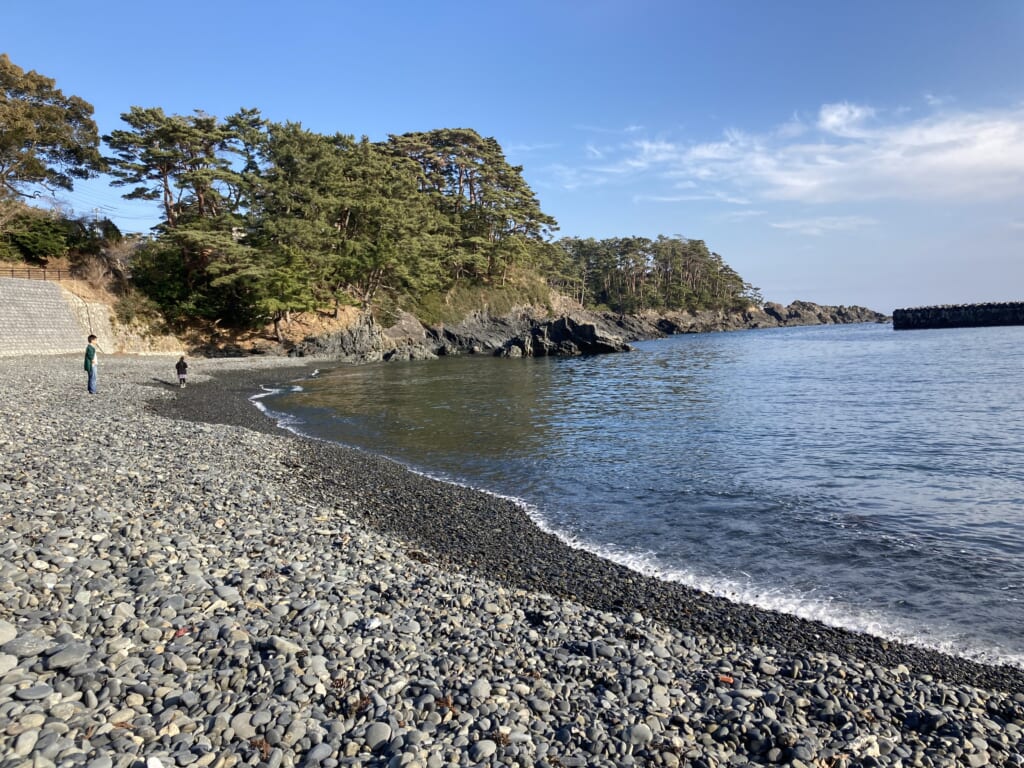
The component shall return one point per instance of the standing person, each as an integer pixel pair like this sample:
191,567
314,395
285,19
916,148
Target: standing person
182,368
91,363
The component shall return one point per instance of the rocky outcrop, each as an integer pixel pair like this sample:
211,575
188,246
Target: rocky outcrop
529,332
771,315
522,333
525,333
808,313
362,342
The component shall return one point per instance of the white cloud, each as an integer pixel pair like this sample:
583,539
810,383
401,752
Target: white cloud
963,156
824,224
634,128
742,214
572,178
692,197
790,130
844,119
526,148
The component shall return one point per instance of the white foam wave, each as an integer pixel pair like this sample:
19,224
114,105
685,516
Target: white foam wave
825,610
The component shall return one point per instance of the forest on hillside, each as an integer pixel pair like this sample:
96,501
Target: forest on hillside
261,219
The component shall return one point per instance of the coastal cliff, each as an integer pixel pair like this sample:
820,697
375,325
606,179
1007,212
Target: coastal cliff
533,332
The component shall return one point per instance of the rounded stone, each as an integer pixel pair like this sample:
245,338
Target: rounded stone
378,735
25,743
639,734
7,631
33,692
318,753
242,725
482,750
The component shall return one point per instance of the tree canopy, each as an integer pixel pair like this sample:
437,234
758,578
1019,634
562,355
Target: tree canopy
46,138
631,274
260,219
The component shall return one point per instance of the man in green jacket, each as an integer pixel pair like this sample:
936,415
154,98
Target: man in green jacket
91,363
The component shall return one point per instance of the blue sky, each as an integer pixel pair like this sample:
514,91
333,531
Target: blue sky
841,152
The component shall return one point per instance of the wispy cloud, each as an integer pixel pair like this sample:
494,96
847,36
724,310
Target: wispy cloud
634,128
689,197
844,119
850,153
742,214
524,148
934,100
825,224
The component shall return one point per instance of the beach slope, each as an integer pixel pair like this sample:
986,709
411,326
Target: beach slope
182,580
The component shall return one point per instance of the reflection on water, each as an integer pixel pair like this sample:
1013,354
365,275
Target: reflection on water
865,477
458,406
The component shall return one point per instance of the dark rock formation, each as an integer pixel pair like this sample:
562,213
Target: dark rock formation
363,341
524,333
771,315
529,332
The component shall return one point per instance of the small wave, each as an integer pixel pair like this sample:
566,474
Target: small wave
826,610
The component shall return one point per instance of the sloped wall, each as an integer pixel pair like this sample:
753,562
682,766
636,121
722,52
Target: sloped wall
41,318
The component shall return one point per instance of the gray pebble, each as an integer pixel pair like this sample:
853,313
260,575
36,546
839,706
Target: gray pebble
68,656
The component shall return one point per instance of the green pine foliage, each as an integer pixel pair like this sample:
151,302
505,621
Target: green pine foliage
263,219
33,237
47,139
633,274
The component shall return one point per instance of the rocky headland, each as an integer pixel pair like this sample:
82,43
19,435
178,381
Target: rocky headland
184,584
569,330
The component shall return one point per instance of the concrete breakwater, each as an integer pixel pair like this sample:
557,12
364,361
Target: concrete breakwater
959,316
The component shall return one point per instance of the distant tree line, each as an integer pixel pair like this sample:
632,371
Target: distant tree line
632,274
261,219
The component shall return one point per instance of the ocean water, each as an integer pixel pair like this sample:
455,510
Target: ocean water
867,478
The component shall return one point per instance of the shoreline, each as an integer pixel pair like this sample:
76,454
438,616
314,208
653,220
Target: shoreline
464,538
180,579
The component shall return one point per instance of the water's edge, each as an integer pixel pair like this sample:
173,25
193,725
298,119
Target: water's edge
495,539
827,611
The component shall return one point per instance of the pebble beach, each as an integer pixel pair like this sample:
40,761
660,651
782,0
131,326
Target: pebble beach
182,583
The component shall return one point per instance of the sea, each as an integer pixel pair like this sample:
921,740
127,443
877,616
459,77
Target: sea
868,478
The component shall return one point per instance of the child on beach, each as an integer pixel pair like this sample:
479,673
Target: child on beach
182,368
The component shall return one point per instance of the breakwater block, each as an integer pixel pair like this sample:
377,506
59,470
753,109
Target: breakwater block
959,316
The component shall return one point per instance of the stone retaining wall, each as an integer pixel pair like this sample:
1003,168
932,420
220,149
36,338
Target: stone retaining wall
959,316
41,318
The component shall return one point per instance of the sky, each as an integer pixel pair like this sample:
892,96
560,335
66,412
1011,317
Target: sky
867,152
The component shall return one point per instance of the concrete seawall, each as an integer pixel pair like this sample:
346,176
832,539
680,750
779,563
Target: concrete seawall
958,316
42,318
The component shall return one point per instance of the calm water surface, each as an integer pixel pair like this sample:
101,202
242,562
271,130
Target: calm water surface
867,478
